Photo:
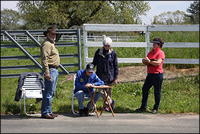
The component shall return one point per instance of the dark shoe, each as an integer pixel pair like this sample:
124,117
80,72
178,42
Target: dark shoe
140,110
55,115
86,111
81,111
107,109
113,104
48,116
154,111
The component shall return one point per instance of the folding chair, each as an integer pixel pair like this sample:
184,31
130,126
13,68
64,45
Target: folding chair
32,88
85,98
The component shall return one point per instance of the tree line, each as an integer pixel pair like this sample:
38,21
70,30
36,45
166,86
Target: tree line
179,17
73,14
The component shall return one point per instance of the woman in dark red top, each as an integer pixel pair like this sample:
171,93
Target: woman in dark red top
154,62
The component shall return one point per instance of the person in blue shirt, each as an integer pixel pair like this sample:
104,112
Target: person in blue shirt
86,78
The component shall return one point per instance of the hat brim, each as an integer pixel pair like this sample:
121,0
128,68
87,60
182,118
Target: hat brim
155,41
90,70
45,32
53,32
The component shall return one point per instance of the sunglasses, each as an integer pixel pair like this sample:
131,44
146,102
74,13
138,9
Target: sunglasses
106,45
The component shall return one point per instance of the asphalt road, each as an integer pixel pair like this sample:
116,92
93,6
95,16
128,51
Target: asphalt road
106,123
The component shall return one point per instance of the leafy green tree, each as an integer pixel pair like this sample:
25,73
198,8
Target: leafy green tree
193,11
170,18
65,14
10,19
122,12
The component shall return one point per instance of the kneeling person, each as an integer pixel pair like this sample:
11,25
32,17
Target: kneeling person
86,77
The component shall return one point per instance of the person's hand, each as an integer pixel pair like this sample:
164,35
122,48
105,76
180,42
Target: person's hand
115,82
146,61
88,85
47,76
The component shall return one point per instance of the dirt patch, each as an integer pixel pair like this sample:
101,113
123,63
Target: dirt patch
138,73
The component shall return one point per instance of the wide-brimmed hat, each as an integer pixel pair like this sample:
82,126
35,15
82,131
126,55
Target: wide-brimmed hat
50,30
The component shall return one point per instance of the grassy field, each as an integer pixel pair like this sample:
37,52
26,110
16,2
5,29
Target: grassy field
180,95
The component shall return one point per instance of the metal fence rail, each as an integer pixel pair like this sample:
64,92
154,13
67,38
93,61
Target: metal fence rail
146,44
39,37
32,34
35,35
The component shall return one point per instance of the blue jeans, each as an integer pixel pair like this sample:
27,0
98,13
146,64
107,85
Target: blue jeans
156,81
49,91
80,97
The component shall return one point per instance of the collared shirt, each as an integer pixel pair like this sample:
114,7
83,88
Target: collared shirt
158,54
49,55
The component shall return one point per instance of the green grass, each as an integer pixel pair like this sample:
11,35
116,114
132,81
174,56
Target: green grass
180,95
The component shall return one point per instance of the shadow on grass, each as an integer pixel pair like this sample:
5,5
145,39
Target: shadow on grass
11,108
67,111
119,109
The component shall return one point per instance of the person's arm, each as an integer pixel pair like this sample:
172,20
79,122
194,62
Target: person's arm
78,83
116,71
153,62
156,62
115,81
46,50
94,62
98,81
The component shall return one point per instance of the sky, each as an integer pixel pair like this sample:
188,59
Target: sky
157,7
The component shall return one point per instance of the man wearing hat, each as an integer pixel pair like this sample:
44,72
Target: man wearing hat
154,62
86,77
50,61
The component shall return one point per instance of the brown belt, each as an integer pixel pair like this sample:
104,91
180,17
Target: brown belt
53,67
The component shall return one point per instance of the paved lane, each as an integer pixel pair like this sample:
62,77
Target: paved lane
121,123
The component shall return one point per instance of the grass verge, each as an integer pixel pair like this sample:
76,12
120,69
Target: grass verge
178,96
